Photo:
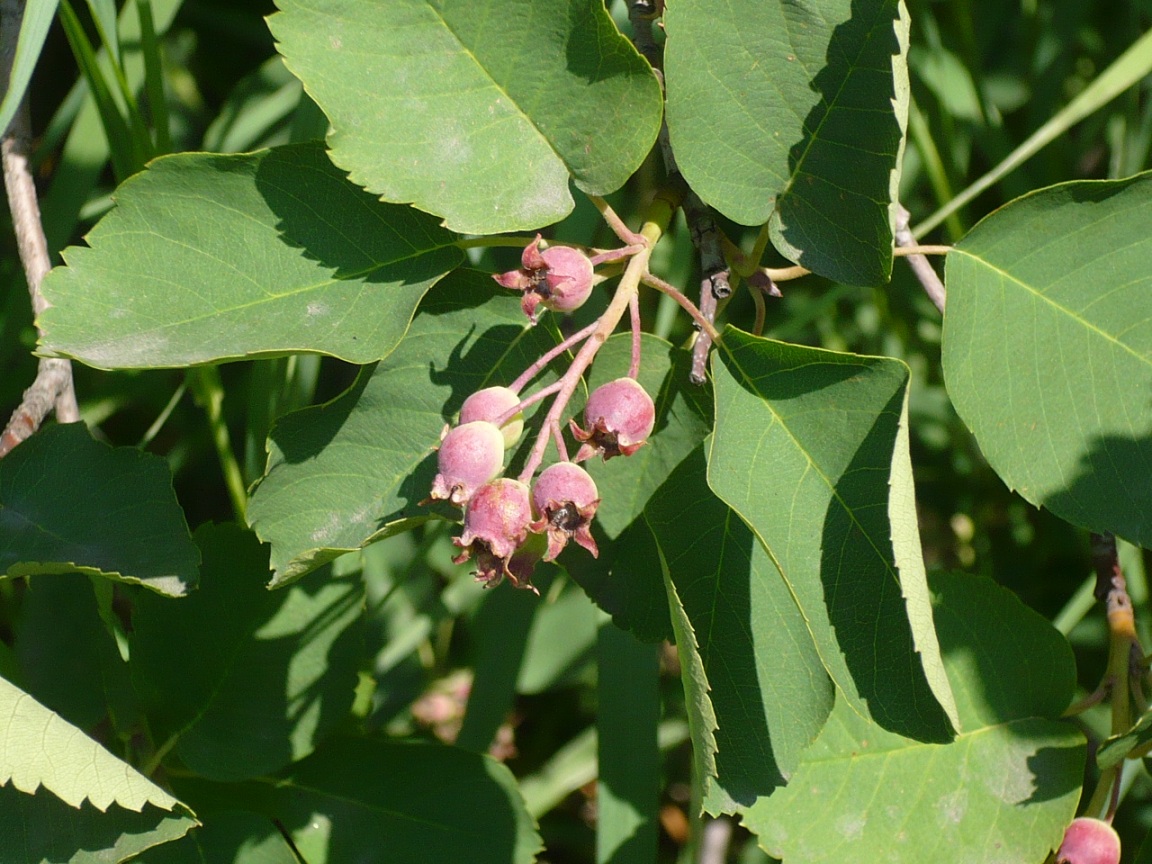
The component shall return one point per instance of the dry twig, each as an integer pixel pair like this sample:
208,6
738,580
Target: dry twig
52,387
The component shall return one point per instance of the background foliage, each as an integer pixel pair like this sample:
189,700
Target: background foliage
242,724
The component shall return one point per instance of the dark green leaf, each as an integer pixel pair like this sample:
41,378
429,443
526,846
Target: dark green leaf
209,258
769,690
71,505
807,444
42,829
794,111
386,802
242,680
68,659
226,837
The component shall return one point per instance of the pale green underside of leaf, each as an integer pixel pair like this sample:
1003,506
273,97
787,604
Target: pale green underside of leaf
243,680
795,112
475,110
702,723
69,504
351,472
42,829
804,450
1047,349
1002,792
769,691
40,748
208,258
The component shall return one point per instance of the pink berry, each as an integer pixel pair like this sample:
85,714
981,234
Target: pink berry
470,456
1089,841
566,499
619,417
495,526
490,403
559,278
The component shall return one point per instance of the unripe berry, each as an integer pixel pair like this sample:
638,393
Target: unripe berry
490,403
619,418
566,499
1089,841
559,278
495,526
470,456
568,279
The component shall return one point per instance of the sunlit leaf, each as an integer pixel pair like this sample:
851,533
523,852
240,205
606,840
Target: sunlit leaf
209,258
794,112
1002,791
478,111
1048,349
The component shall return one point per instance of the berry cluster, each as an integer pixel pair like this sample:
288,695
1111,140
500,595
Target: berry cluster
512,524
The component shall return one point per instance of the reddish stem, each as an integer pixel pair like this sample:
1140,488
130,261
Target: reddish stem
634,310
625,290
552,353
527,403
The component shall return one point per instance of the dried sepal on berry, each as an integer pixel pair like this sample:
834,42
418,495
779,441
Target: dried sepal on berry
619,417
496,525
558,278
488,404
469,456
565,498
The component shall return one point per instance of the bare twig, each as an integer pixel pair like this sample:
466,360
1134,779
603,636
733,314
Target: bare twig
53,385
687,305
920,265
1124,655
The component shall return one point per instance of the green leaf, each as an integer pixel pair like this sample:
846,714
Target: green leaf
550,663
34,24
242,680
353,471
40,748
1002,791
489,107
682,421
628,754
68,660
43,829
1116,749
226,837
769,690
210,258
1046,342
807,444
693,677
794,111
623,582
376,800
69,504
